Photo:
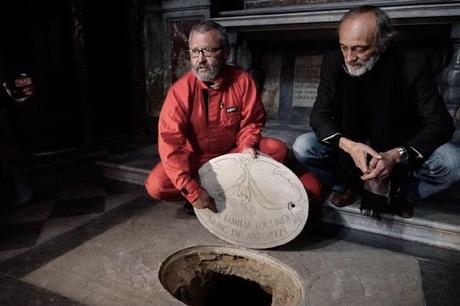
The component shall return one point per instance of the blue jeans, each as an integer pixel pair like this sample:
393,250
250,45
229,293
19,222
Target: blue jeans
438,172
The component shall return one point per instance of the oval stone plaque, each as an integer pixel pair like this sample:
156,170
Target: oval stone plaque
260,202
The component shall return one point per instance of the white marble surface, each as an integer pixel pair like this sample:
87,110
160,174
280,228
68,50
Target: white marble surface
260,202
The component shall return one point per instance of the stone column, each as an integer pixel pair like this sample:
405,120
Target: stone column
232,40
80,55
136,9
450,78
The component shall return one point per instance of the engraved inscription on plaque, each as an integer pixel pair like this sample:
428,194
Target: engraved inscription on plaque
306,80
260,202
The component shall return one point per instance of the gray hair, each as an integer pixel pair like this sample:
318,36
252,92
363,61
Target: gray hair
208,25
386,34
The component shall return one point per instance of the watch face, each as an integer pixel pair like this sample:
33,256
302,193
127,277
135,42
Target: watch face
403,154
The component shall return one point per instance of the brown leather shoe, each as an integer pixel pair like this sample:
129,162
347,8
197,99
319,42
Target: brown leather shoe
342,199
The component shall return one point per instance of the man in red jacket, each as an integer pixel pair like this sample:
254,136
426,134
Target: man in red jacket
212,110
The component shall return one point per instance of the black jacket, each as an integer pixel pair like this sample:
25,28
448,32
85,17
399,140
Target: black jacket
410,109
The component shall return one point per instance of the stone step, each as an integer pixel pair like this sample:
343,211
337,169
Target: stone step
288,131
122,173
284,131
131,166
435,222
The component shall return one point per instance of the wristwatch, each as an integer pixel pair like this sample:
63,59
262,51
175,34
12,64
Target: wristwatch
403,155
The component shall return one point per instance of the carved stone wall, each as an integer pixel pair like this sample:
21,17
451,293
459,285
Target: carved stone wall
281,42
167,25
299,32
289,77
250,4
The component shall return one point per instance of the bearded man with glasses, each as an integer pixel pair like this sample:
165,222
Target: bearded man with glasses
212,110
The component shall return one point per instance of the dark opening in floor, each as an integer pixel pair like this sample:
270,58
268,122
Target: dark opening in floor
215,289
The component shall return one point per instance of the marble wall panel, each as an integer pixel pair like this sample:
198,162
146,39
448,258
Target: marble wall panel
154,62
271,85
306,80
167,25
180,60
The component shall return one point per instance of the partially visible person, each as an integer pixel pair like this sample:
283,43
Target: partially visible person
14,185
380,126
21,89
212,110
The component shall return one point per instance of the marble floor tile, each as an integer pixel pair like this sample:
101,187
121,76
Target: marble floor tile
19,235
78,206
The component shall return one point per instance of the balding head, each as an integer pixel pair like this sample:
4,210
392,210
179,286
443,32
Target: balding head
361,38
380,23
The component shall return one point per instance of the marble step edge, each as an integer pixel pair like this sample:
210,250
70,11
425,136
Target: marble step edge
415,220
414,229
123,173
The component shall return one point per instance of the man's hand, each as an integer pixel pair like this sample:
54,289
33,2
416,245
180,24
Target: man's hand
23,88
205,201
381,168
358,152
251,151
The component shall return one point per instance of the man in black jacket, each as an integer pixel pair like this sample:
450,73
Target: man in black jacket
378,120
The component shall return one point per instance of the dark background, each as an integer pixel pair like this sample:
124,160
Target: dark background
80,57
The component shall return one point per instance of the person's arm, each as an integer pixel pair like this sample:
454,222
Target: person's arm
324,109
379,168
173,145
436,125
252,118
204,200
359,152
322,117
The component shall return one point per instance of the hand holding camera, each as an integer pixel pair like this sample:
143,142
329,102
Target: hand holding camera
21,88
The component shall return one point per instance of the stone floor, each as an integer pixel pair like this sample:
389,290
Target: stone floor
96,242
89,240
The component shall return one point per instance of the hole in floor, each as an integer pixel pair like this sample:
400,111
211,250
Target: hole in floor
214,275
211,289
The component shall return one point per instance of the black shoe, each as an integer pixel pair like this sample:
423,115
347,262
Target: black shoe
188,209
402,208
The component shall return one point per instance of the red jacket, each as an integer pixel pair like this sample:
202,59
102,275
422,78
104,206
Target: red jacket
191,132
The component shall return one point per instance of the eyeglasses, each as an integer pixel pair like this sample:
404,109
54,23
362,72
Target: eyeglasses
208,52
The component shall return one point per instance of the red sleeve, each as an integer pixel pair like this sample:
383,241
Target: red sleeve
253,116
173,146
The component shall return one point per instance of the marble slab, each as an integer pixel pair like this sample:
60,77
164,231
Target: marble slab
260,202
306,80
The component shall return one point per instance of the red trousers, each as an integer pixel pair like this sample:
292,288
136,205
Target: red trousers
159,186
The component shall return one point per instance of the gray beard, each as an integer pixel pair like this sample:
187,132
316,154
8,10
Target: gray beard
363,68
212,73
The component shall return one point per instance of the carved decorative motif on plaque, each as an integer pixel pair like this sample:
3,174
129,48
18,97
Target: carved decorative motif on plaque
260,202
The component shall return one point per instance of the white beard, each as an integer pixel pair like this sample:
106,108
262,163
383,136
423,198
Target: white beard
211,73
364,66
